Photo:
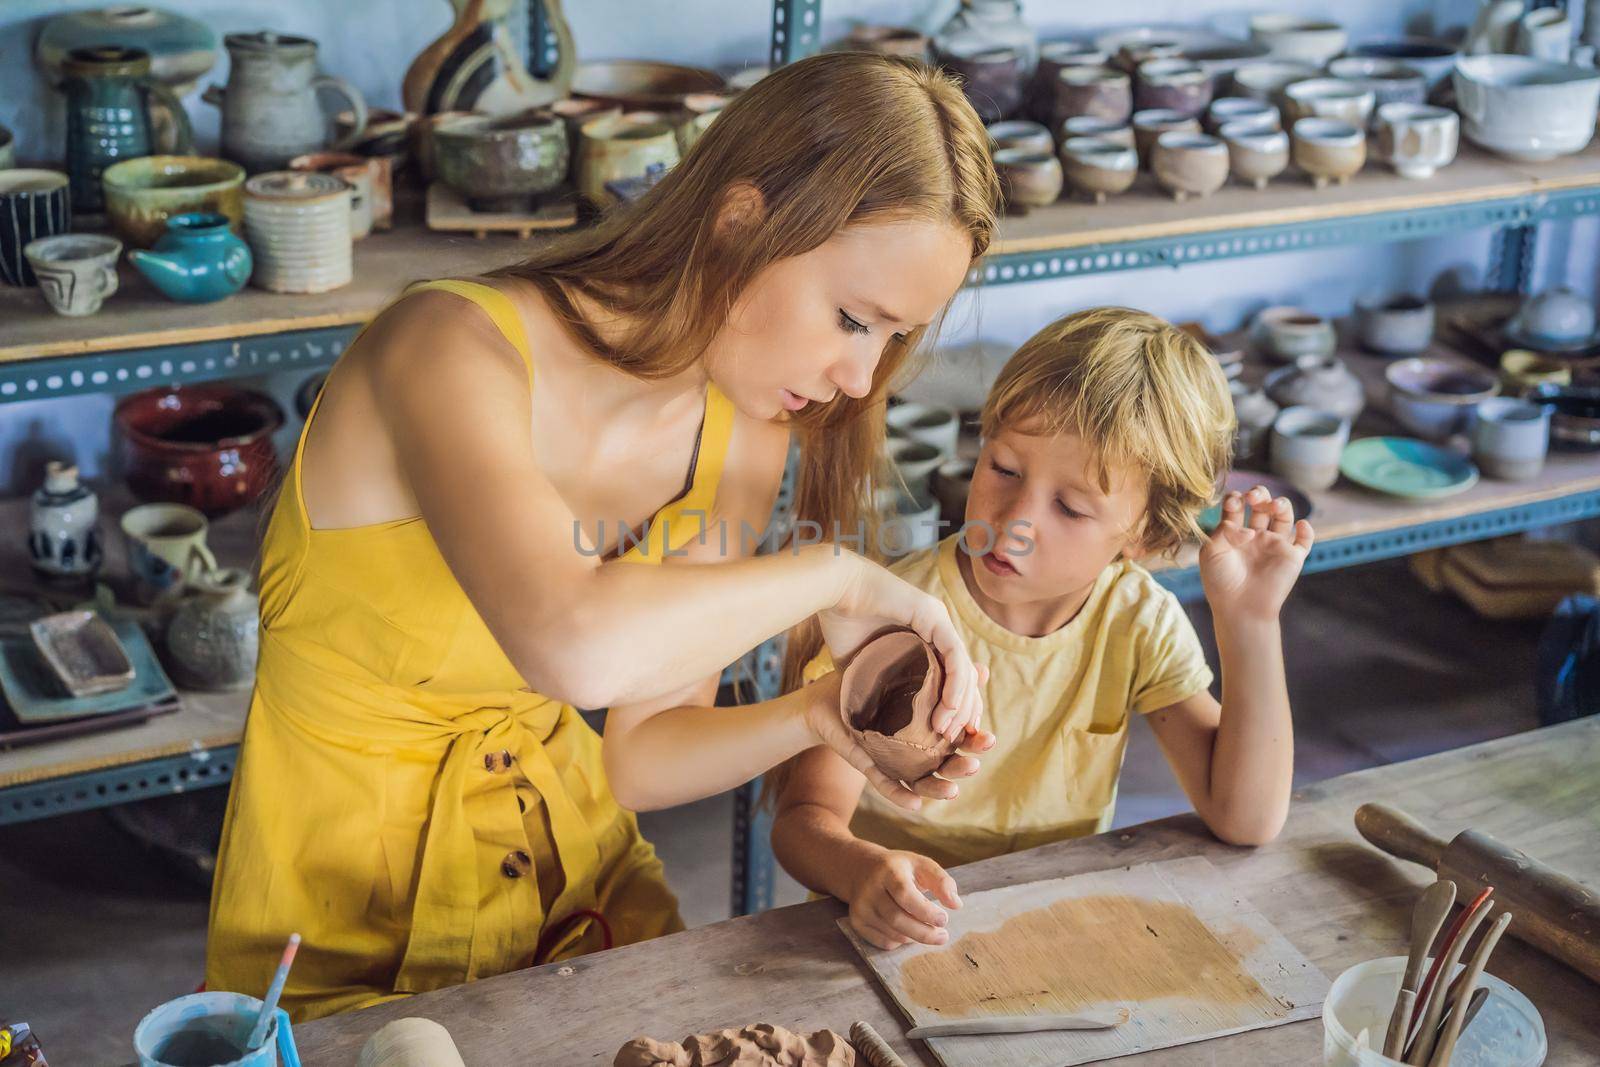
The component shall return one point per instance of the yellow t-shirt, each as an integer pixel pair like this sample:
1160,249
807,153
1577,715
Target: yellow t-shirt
1058,707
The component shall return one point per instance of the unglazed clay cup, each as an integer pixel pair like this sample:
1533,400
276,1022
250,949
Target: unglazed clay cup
1098,166
1020,133
1510,437
1094,126
1171,83
1288,334
1029,178
1306,447
1098,91
1391,81
1265,81
1189,164
1417,139
1328,149
1148,126
1241,111
1329,98
1054,57
1394,325
991,78
1256,154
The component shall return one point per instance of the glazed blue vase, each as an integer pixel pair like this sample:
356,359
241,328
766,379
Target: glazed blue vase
199,259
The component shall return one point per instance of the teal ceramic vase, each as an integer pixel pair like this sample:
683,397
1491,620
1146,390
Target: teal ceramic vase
199,259
110,94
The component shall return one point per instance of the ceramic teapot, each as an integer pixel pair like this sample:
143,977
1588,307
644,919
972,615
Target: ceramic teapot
1322,383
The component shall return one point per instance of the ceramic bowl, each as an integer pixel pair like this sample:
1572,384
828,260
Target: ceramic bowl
142,194
1328,149
1574,415
1556,318
889,40
1148,126
1224,57
1321,382
1098,166
929,423
1136,44
1434,398
1241,111
1101,92
502,164
1189,164
1256,154
1306,447
616,149
1522,371
207,446
700,110
1028,178
1526,109
1328,98
1298,38
1020,133
1416,139
1510,437
387,132
643,83
1092,126
1289,333
422,138
1394,325
1433,56
1391,81
1172,83
1265,81
991,78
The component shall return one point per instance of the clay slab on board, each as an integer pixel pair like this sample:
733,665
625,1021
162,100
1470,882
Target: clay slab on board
1171,941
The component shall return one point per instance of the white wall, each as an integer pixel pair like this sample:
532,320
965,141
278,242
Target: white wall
370,43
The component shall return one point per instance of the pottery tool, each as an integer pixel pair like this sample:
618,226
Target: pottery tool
1172,942
1426,917
1555,913
1430,999
269,1007
1020,1024
872,1048
1446,1043
410,1042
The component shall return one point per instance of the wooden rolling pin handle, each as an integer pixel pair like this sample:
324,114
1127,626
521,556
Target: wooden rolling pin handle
1400,835
873,1048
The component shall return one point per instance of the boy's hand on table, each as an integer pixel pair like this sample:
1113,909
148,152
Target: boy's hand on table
1247,569
888,908
827,726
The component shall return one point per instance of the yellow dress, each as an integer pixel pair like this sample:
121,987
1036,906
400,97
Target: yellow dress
402,800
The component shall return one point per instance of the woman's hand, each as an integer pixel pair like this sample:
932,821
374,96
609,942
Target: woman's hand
888,908
873,599
827,726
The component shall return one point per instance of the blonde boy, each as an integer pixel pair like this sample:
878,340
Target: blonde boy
1104,437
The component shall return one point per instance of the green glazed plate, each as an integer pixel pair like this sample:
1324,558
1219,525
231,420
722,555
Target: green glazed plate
1403,466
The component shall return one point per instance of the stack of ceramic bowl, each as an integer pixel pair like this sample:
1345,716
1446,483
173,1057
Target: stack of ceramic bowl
1435,398
298,226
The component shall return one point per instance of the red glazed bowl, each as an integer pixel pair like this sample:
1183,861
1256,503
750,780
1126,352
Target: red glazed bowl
208,446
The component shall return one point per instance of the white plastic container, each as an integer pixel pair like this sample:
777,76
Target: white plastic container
1507,1031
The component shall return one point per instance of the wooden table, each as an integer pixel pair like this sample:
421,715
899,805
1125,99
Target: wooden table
1335,898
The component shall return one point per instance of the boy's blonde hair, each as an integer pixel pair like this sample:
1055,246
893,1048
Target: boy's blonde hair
1141,393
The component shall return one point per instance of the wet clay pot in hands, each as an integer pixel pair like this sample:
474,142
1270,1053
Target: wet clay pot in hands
887,697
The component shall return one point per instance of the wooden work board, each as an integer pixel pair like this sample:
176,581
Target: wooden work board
1171,942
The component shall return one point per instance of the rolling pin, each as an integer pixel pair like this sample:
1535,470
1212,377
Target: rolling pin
1555,913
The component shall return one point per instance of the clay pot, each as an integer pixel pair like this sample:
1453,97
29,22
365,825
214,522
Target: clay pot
1328,150
298,226
207,446
1391,81
502,164
1028,178
1150,125
1094,126
1329,98
1054,57
1324,384
1190,164
991,79
1241,111
1098,91
1020,133
358,172
1288,334
888,41
887,697
1416,139
611,150
1172,83
1255,155
214,634
1099,167
1253,415
423,143
700,110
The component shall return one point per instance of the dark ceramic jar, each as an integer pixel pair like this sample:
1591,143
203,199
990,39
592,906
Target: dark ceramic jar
208,446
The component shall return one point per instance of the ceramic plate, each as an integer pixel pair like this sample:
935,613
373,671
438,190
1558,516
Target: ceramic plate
1403,466
1242,481
35,696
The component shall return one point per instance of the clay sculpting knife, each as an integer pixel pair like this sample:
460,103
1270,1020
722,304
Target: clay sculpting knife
1426,917
1020,1024
1480,956
1444,965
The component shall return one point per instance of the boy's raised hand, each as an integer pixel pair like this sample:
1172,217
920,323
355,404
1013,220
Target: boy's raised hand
888,908
1247,569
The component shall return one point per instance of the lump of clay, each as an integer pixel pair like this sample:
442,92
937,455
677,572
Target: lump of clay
887,697
756,1045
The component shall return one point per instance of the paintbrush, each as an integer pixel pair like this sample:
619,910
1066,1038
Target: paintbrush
269,1007
1021,1024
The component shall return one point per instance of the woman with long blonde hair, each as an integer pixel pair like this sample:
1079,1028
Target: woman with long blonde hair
453,565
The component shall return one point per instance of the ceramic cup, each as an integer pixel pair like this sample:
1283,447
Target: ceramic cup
1020,133
76,271
298,226
1391,81
1265,81
219,1024
1241,111
1099,166
1328,149
1189,164
1298,38
1172,83
991,78
1306,446
1416,139
1394,326
166,546
616,149
1098,91
357,172
1148,126
1028,178
1256,153
33,204
1329,98
1510,438
929,423
915,461
1094,126
1288,334
1545,33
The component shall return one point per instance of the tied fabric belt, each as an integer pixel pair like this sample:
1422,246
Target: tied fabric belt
448,944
